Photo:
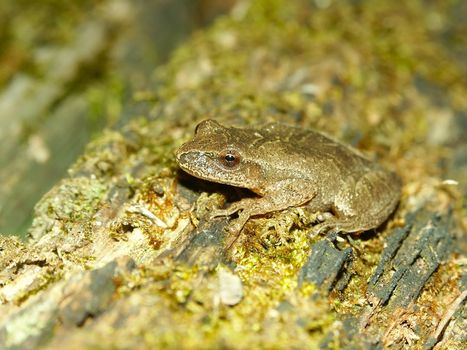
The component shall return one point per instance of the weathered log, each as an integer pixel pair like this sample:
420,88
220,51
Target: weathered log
122,253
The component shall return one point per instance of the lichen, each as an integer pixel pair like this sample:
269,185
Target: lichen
75,200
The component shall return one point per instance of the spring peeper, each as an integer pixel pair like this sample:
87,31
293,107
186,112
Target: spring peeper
287,167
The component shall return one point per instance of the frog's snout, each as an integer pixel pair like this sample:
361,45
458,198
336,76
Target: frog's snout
180,152
177,154
184,156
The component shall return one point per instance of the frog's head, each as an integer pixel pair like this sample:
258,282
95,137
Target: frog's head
221,154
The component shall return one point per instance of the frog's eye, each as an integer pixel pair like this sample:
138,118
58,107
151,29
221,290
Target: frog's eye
230,158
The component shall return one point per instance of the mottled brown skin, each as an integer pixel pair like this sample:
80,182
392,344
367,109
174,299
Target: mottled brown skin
289,167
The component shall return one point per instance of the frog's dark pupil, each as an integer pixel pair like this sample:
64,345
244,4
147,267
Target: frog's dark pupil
229,157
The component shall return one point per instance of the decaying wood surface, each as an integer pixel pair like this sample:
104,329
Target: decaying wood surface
121,253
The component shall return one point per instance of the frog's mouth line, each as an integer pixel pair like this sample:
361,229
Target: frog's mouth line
203,166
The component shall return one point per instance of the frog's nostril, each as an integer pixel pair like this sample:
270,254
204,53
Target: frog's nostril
184,158
179,156
180,152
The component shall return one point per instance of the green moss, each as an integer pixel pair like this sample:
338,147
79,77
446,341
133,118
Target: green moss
349,69
269,319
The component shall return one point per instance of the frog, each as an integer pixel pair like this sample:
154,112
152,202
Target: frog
288,166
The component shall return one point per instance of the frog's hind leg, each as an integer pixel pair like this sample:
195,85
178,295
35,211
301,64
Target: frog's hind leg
366,203
334,225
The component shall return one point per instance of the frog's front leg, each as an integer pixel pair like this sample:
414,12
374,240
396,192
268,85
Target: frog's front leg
243,206
284,194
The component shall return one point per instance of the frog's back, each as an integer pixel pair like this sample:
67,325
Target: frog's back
347,182
311,152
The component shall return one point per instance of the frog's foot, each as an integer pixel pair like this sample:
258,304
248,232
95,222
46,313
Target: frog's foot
335,225
236,225
220,212
324,224
319,229
234,207
234,229
243,207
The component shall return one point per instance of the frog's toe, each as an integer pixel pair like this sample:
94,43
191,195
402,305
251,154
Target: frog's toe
318,229
236,225
218,213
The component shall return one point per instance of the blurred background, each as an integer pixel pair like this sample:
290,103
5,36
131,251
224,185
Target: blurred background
69,69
